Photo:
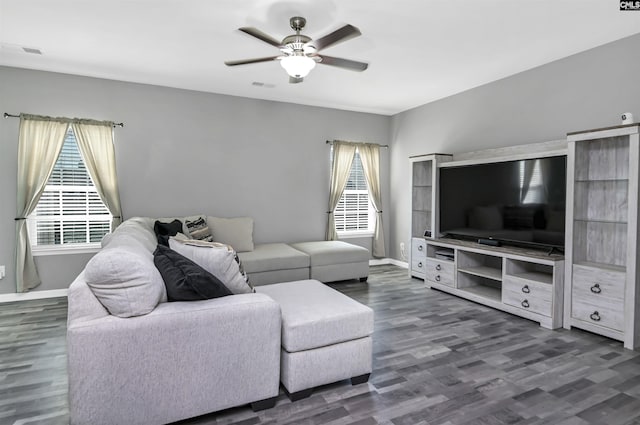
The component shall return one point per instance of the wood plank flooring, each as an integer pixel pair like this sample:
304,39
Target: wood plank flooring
438,360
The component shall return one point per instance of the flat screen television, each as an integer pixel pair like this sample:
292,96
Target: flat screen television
520,203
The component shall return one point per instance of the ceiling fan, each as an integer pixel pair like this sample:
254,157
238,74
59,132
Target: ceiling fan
300,52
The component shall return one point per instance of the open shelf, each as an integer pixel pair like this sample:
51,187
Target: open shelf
483,271
605,266
483,291
535,276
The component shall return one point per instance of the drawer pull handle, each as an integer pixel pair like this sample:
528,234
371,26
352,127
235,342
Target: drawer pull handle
526,289
596,289
420,264
438,278
419,247
438,267
595,316
525,304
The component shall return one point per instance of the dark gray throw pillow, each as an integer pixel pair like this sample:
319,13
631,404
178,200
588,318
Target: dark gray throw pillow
184,279
165,230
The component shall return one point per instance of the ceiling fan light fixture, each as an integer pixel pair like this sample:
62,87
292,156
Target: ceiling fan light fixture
297,66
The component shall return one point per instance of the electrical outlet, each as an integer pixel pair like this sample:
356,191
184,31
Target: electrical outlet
402,246
2,272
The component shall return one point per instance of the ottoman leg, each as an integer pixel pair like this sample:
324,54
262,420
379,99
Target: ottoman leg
356,380
264,404
363,279
299,395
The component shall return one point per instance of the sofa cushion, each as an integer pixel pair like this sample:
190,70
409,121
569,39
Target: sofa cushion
218,259
324,253
124,279
273,256
315,315
198,229
237,232
184,279
165,230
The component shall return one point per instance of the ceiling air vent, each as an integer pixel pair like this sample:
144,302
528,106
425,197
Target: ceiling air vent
32,50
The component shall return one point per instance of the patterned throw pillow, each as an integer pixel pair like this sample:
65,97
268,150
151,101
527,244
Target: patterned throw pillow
198,229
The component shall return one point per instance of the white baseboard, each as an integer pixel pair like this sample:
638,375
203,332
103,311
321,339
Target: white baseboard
33,295
381,261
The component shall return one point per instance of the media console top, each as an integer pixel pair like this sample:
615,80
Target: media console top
503,249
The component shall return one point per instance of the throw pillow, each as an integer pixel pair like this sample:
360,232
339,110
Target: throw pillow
237,232
165,230
218,259
125,280
184,279
198,229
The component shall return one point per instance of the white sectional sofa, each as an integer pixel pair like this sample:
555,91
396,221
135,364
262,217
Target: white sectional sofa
135,358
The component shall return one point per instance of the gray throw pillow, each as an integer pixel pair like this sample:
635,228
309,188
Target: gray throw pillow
237,232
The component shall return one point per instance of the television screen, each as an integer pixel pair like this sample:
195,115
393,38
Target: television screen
520,202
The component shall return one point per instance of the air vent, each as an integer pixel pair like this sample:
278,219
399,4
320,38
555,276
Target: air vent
261,84
32,50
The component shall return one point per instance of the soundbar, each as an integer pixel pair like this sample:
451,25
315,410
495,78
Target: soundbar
490,242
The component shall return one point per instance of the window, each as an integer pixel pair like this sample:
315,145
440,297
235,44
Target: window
354,213
70,211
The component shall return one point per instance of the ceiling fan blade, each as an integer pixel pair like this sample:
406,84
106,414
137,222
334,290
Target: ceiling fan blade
254,32
338,36
248,61
295,80
343,63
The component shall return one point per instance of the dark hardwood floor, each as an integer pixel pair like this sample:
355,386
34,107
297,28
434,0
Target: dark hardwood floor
438,360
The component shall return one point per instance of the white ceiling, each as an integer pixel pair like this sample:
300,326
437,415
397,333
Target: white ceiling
418,50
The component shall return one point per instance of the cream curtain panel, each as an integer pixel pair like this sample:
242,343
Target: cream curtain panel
370,157
343,154
39,145
95,141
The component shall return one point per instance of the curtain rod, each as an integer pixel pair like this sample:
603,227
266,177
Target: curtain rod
7,115
330,142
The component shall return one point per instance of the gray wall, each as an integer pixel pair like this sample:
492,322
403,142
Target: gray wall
584,91
183,152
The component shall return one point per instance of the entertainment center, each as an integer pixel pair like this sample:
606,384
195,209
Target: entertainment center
533,206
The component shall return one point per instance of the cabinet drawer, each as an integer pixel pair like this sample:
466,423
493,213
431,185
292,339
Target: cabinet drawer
597,296
439,271
527,295
418,248
418,265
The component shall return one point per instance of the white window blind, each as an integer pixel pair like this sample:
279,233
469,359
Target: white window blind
354,212
70,210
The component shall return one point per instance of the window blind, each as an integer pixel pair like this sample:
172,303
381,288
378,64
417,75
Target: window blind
353,211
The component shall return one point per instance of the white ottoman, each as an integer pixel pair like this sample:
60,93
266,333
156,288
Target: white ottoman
335,260
326,336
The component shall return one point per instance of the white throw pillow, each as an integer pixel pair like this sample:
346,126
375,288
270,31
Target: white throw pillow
125,280
237,232
218,259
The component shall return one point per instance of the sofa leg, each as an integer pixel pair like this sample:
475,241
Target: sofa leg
264,404
299,395
363,279
356,380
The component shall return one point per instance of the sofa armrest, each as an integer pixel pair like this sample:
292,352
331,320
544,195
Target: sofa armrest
181,360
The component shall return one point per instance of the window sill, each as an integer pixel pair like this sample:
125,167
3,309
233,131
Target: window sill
353,235
41,251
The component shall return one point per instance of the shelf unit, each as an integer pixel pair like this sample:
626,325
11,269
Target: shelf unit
424,211
601,237
523,282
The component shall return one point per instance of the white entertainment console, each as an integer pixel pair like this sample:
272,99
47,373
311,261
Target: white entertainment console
519,281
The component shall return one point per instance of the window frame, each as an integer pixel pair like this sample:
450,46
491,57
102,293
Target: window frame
371,212
51,187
